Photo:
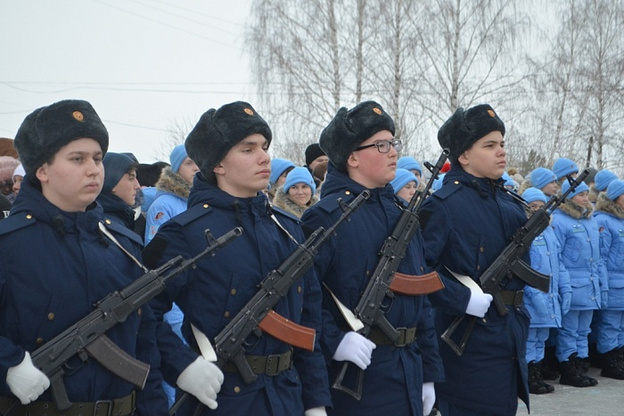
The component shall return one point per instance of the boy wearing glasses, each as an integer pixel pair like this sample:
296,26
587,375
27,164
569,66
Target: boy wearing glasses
399,378
466,224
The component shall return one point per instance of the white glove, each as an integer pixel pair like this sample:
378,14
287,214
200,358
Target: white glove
316,411
203,380
428,398
355,348
478,304
26,381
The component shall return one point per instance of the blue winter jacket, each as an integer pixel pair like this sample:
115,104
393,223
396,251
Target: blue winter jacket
54,266
466,224
577,232
545,308
218,288
393,380
610,219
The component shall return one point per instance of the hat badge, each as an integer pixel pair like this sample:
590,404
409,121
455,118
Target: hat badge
491,113
248,111
78,116
377,111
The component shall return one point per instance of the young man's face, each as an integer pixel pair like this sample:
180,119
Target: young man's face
486,158
371,168
317,162
74,177
246,168
127,187
188,169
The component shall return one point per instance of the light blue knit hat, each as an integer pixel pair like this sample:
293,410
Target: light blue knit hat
581,188
177,156
278,166
603,178
563,167
615,189
409,163
402,178
534,194
299,175
540,177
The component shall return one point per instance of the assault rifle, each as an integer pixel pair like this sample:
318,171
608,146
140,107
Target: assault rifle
87,337
509,264
385,279
257,315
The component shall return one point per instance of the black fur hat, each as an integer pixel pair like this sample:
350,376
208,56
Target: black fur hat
350,128
464,128
217,131
47,129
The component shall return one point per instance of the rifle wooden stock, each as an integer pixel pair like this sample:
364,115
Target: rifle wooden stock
412,285
287,331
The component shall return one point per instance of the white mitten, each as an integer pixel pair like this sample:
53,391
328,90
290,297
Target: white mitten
26,381
355,348
203,380
428,398
316,411
478,304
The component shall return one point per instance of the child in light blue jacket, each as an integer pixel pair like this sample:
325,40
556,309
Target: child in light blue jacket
546,309
609,322
577,232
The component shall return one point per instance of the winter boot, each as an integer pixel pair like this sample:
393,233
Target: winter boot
536,384
611,366
572,375
548,366
582,364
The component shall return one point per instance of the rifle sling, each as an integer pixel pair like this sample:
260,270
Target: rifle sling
123,406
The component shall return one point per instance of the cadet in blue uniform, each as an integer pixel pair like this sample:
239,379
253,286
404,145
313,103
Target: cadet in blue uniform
466,224
230,147
399,378
56,264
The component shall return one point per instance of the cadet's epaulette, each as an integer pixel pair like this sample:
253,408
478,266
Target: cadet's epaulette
192,214
16,222
279,211
329,203
447,190
122,229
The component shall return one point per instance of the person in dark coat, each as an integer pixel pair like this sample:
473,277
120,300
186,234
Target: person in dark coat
399,378
230,147
56,264
466,224
120,188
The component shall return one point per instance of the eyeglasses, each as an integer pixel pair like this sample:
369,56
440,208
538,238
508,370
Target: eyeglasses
383,146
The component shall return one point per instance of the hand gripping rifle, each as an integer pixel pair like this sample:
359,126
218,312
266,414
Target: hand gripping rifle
509,264
87,337
385,279
257,315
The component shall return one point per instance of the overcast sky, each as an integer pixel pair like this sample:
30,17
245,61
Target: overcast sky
144,65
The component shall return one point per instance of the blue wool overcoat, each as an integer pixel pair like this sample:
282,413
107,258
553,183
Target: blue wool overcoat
54,266
393,381
466,224
211,294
